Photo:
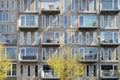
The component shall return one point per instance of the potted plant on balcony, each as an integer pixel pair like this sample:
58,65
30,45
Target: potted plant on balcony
94,23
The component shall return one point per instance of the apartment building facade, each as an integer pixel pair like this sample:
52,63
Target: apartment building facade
32,30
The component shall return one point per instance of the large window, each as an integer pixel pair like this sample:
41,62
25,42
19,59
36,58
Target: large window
29,38
109,21
36,5
43,54
95,7
13,70
36,70
28,5
79,5
80,37
94,37
101,21
65,21
87,70
94,70
21,38
7,5
65,5
73,38
116,54
72,5
65,37
21,5
102,53
13,5
116,21
43,21
109,53
50,21
36,38
50,52
73,21
58,21
87,21
87,5
87,38
11,53
29,70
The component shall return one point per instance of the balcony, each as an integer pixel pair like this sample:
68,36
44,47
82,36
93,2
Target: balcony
48,74
109,6
50,7
88,22
109,71
88,58
110,42
8,39
28,58
28,22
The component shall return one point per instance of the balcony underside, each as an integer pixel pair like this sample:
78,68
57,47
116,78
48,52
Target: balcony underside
50,78
88,61
28,59
87,27
28,28
50,44
110,44
109,77
109,11
50,11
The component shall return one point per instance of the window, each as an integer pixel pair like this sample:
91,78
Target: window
94,37
73,21
36,38
72,52
87,21
28,70
79,5
50,52
87,38
65,21
12,17
2,4
73,38
102,53
87,70
7,29
65,38
21,38
65,5
87,5
21,5
94,70
21,70
50,21
36,5
95,5
36,70
58,52
116,22
102,21
4,17
11,53
116,54
116,4
109,21
7,5
43,54
109,53
28,38
13,28
57,21
13,5
80,38
28,5
57,37
13,70
72,5
43,21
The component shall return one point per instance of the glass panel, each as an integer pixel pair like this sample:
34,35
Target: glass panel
11,53
14,69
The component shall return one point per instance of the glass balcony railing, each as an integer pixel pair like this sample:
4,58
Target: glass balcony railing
48,74
28,21
88,57
109,74
33,57
50,6
110,42
48,40
109,5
